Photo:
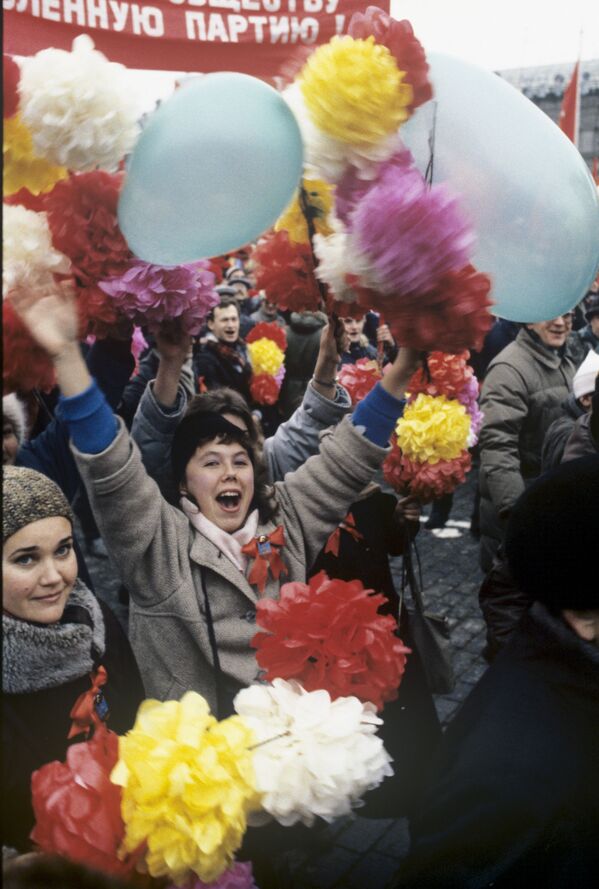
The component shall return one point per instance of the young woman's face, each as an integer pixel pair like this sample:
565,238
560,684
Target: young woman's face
220,477
10,443
39,569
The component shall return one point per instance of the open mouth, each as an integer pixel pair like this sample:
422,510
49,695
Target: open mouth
229,500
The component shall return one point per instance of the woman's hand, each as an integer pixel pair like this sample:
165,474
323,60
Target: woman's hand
383,335
50,317
408,509
333,342
398,374
174,347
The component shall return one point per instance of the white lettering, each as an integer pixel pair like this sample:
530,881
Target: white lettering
120,12
97,11
258,21
309,30
313,5
216,28
339,23
271,5
237,25
8,4
152,21
195,25
234,5
279,29
74,9
331,6
51,10
250,5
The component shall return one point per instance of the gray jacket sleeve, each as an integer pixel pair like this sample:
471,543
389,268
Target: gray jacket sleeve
504,404
136,523
299,438
152,430
317,496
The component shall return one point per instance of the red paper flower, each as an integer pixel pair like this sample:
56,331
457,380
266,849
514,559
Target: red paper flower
427,481
447,375
82,217
10,85
78,809
26,199
328,634
264,389
25,365
344,309
452,317
359,378
271,331
285,270
399,39
98,314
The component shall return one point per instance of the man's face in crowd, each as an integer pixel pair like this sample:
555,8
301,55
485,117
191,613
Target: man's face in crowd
269,309
241,291
553,333
225,326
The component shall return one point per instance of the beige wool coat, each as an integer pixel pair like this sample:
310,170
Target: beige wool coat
160,557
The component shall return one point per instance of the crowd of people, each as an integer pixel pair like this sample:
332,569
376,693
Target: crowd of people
175,471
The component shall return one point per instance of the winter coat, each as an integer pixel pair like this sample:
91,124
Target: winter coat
559,432
291,445
411,728
45,669
581,342
514,798
216,365
170,569
356,351
260,317
581,442
146,372
303,342
521,396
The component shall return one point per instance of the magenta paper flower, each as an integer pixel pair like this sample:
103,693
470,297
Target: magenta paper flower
151,294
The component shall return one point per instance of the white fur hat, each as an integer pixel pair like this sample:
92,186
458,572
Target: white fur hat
584,379
14,410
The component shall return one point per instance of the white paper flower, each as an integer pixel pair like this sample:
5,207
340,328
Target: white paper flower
339,258
29,260
81,109
325,755
330,158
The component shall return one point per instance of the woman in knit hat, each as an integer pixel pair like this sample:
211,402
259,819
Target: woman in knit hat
62,648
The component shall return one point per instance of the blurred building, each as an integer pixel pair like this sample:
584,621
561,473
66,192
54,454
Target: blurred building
545,84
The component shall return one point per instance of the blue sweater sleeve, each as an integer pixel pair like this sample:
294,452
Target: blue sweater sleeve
91,424
378,413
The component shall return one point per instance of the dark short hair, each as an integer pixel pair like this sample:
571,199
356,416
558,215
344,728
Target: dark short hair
228,401
225,303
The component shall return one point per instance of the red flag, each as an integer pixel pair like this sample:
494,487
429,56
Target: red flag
568,116
596,170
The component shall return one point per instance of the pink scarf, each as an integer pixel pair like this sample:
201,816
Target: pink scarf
229,544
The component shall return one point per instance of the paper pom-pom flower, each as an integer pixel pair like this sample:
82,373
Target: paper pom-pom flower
77,809
359,378
354,185
271,330
468,396
321,755
150,294
426,481
264,389
238,876
285,271
80,108
328,634
29,260
22,168
453,316
25,365
188,784
11,74
319,202
83,221
265,356
25,198
353,90
447,375
433,429
411,234
399,39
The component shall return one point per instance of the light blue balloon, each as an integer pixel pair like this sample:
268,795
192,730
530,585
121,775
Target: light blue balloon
525,188
214,167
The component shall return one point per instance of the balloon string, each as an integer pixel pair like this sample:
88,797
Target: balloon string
309,214
431,146
269,740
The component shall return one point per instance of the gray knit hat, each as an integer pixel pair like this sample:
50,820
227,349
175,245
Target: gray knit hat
27,497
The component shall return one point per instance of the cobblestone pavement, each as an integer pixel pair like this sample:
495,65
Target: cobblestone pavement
362,853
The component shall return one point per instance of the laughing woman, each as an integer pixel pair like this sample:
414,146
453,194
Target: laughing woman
59,643
195,573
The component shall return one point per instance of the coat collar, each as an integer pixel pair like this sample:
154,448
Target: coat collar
551,358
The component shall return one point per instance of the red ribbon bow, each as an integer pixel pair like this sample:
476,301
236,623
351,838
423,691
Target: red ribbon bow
348,524
84,713
264,550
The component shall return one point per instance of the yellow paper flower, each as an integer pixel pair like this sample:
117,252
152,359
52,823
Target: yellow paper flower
433,429
266,357
23,168
188,784
319,196
353,90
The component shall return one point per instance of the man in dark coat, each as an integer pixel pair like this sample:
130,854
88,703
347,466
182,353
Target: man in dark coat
576,405
223,359
514,798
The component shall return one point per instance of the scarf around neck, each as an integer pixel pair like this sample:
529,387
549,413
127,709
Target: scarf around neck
229,544
38,656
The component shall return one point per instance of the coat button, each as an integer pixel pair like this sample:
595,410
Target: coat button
250,616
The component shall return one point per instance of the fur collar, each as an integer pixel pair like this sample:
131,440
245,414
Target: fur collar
37,656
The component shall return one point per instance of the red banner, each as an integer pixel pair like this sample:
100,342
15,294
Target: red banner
257,37
568,116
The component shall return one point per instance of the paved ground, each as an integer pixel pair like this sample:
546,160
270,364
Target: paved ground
361,853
